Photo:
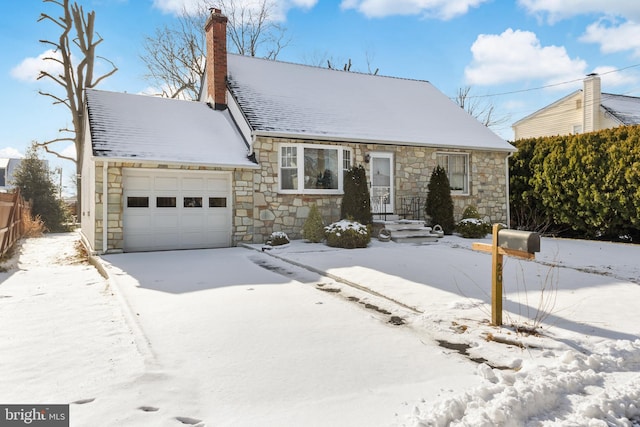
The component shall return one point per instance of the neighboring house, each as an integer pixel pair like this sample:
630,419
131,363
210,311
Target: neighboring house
585,110
266,141
7,167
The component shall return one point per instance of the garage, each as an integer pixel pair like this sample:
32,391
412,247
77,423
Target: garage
166,210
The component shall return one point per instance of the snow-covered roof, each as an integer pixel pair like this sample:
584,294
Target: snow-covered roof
624,108
293,100
147,128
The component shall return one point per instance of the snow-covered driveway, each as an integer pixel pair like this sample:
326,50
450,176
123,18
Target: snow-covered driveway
255,342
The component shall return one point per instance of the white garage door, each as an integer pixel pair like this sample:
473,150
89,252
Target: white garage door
176,210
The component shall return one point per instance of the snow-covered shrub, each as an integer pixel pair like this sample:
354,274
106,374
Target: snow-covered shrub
313,228
471,226
347,234
278,238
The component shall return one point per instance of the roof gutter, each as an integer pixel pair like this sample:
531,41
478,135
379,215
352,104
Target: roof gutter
155,163
377,141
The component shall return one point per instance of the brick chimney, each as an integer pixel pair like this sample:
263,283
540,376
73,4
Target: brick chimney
216,69
591,103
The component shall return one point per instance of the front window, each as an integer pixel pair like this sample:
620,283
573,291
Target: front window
313,169
457,168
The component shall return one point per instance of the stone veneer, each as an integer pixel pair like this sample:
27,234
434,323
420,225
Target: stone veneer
259,209
273,211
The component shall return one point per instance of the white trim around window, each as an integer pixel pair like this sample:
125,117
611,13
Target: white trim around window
457,167
312,168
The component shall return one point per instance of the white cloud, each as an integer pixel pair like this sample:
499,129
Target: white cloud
611,78
279,7
69,151
10,153
518,55
556,10
613,36
29,69
441,9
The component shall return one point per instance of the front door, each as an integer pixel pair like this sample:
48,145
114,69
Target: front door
381,172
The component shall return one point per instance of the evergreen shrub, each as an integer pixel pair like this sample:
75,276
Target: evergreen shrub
439,205
356,202
313,228
471,225
348,234
278,238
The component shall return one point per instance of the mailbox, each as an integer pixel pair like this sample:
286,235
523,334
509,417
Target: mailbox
517,240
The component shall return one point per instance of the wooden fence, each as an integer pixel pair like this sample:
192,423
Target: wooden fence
12,209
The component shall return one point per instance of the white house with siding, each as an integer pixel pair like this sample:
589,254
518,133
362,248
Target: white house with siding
585,110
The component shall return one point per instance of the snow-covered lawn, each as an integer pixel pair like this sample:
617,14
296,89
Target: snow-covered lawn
307,335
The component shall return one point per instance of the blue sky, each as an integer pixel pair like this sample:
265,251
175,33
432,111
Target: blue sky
519,55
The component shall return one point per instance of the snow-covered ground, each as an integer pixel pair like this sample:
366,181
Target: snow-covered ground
307,335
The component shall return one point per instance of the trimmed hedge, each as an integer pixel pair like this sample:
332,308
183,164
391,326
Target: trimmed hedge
587,184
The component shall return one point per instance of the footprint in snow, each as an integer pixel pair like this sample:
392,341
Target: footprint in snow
83,401
149,408
190,421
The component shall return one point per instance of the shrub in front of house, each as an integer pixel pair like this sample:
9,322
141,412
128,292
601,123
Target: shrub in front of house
278,238
439,206
471,225
347,234
313,228
356,202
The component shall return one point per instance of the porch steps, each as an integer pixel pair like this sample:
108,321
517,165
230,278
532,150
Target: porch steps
408,231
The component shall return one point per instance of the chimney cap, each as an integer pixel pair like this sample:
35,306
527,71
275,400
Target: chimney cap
592,74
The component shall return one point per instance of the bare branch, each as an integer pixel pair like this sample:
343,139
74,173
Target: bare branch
174,55
58,155
76,54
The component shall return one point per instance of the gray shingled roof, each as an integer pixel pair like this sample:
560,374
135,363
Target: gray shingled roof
285,99
147,128
624,108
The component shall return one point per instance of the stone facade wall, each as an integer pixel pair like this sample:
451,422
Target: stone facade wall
259,209
413,166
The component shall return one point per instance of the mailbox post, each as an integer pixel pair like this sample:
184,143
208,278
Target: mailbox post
515,243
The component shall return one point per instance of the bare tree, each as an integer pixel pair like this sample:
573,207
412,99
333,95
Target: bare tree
484,111
78,37
174,55
252,30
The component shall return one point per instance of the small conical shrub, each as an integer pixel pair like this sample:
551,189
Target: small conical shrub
439,204
313,228
356,203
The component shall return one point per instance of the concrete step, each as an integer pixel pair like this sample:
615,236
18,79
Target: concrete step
414,239
416,225
425,232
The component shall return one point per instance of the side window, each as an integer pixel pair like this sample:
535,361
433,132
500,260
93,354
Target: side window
457,167
289,168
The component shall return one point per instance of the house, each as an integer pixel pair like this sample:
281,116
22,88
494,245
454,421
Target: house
266,141
7,167
585,110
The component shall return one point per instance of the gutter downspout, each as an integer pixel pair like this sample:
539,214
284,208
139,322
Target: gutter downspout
506,162
105,207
